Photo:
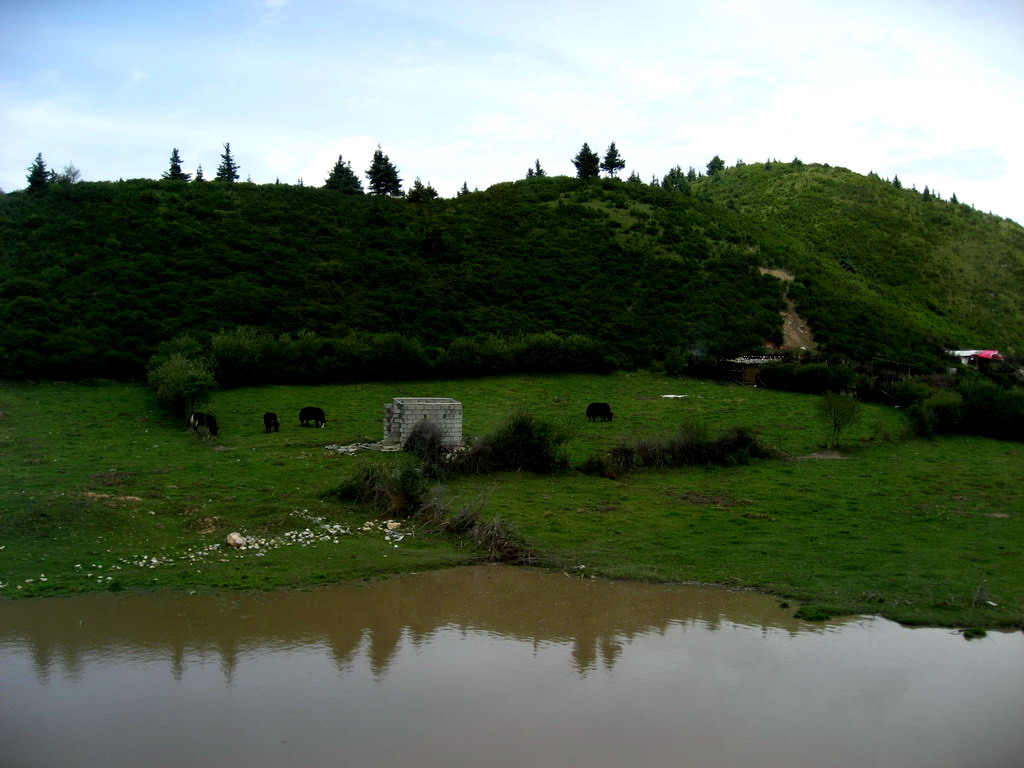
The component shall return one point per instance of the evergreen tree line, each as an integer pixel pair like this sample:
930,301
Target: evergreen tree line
383,176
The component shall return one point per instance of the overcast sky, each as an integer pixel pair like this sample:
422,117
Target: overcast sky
475,91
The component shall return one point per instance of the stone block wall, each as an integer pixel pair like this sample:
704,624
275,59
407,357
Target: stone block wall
404,413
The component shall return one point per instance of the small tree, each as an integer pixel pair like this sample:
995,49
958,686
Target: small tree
838,411
383,176
181,383
343,179
174,172
421,193
715,165
537,170
38,177
199,173
613,162
896,182
676,179
464,190
228,169
588,164
70,175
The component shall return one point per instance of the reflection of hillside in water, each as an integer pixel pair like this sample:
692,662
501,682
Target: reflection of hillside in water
596,618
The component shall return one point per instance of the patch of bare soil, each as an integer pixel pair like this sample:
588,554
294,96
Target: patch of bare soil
795,332
693,497
109,496
823,454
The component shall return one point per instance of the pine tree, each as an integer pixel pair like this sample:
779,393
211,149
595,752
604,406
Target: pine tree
199,173
715,165
383,176
464,190
421,193
537,170
676,179
691,175
529,172
344,179
613,162
174,173
38,177
634,178
896,182
588,164
228,168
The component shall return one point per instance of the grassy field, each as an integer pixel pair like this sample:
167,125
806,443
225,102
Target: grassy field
101,490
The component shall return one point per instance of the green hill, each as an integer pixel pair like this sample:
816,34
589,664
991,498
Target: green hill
93,276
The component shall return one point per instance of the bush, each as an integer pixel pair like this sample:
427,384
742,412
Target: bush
394,491
181,384
991,411
936,414
838,412
813,378
691,446
426,442
522,443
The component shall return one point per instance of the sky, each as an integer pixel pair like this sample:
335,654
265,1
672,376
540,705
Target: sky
476,91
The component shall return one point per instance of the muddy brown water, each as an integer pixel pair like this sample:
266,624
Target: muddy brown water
495,666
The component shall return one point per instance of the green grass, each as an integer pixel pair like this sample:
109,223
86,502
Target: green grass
95,482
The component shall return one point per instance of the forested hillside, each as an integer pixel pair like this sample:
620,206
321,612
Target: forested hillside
94,276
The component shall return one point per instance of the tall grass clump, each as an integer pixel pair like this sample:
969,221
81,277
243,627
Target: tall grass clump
522,443
691,446
394,491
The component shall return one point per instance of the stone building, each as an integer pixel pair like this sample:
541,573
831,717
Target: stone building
404,413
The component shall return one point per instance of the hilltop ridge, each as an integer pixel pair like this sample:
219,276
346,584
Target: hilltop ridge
95,275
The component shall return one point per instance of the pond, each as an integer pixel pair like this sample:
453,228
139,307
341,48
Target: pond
495,666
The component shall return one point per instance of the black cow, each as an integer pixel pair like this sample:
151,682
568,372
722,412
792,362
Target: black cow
270,422
204,424
601,411
310,413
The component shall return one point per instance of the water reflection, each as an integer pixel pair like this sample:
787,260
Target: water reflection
596,618
494,666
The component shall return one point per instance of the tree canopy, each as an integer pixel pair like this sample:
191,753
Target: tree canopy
613,162
228,168
174,172
38,177
715,165
588,164
383,176
343,179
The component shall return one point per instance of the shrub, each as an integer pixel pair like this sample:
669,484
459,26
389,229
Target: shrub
838,412
426,442
241,355
181,384
937,414
394,491
521,443
691,446
990,410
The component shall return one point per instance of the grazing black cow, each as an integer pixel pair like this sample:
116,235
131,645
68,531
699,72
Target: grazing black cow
601,411
270,422
204,424
310,413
